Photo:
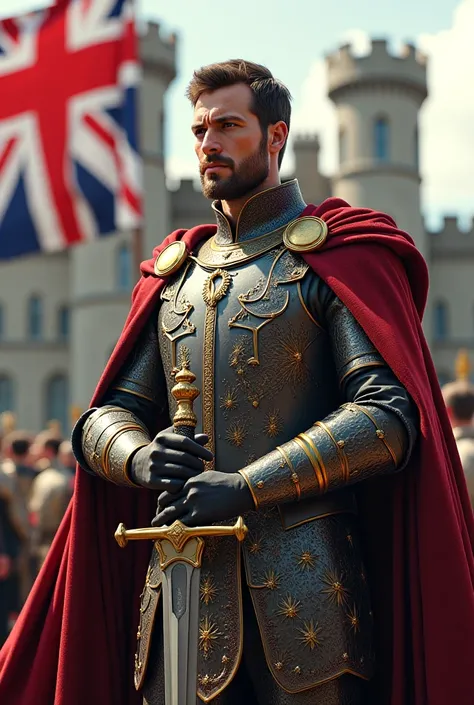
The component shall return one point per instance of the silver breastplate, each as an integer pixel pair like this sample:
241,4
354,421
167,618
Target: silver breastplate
263,363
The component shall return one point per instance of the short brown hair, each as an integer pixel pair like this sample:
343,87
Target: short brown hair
459,396
271,98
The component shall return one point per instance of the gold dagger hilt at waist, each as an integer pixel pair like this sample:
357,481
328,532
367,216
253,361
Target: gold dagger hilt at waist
178,534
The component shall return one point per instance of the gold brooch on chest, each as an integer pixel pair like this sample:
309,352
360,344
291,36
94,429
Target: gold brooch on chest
170,259
305,234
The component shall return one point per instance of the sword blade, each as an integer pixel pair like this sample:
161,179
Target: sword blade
181,632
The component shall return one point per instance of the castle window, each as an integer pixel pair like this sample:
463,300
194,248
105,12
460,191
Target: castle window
441,320
63,323
7,401
35,318
124,268
382,139
57,401
342,146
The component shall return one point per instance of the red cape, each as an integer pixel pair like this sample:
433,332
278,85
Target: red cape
75,639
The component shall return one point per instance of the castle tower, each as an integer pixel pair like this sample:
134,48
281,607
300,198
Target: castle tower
103,272
378,98
314,186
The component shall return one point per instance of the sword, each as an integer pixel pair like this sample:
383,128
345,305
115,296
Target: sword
180,550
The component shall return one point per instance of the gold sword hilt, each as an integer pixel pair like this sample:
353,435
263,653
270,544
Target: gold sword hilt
178,534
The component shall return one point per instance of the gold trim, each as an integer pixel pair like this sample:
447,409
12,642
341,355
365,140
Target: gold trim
294,474
126,468
381,437
211,255
315,450
305,308
136,394
238,660
339,450
313,461
360,367
254,496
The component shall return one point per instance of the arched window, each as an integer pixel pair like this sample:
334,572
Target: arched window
63,323
441,320
7,401
2,322
35,318
57,401
342,145
382,139
124,268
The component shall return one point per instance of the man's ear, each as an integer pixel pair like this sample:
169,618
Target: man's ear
278,134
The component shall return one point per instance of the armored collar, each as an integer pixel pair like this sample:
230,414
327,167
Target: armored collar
263,214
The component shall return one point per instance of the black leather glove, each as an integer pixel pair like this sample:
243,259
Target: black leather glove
169,460
205,499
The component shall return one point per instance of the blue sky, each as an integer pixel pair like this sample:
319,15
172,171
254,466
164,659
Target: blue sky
292,38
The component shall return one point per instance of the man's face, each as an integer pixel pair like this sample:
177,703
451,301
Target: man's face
232,152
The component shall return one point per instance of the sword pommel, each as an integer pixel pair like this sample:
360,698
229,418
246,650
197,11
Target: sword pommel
185,392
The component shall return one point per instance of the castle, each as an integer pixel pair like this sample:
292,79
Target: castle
61,314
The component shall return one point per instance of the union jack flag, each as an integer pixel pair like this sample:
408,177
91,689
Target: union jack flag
69,164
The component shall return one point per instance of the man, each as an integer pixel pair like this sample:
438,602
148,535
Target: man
302,325
50,494
16,448
13,532
459,398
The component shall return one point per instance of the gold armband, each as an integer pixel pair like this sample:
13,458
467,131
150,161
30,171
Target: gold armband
109,438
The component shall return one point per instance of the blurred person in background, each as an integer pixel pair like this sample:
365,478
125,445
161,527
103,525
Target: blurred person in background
459,400
17,465
51,491
13,533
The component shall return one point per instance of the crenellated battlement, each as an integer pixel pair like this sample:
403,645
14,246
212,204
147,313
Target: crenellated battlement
452,238
307,140
157,51
346,70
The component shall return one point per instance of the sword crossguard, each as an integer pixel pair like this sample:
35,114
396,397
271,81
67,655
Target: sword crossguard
178,534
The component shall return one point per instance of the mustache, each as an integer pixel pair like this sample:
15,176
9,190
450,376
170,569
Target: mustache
225,161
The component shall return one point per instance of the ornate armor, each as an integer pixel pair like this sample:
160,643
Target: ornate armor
296,398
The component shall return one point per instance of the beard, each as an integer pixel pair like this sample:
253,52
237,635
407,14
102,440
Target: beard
246,178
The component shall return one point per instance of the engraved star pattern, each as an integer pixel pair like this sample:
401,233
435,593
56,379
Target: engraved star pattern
353,617
307,560
208,634
208,590
335,590
273,424
229,400
236,434
310,634
271,580
289,607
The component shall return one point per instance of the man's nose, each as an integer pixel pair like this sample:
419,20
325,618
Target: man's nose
210,143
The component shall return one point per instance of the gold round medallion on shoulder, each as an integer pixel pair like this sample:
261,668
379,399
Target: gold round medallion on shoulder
170,259
305,234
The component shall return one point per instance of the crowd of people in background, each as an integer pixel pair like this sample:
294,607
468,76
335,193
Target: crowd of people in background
36,485
37,482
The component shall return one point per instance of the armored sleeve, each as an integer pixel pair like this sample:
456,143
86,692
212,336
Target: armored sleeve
106,438
372,431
